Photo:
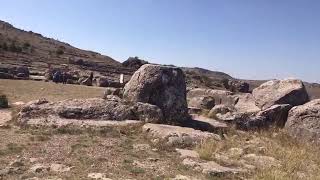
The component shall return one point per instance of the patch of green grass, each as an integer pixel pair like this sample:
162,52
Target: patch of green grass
11,148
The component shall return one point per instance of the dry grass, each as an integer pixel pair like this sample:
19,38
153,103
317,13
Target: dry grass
298,159
26,90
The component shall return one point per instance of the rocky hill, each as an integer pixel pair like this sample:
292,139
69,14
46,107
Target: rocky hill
38,53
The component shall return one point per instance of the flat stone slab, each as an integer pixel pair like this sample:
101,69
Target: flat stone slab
5,116
60,122
176,135
207,124
210,168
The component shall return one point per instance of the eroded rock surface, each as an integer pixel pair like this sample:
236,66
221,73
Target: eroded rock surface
288,91
175,135
304,121
163,86
94,109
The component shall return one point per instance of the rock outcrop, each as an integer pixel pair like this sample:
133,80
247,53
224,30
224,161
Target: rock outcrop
94,109
304,121
163,86
134,62
289,91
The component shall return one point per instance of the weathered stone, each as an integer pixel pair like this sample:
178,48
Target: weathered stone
181,177
205,102
219,109
277,114
261,162
175,135
289,91
206,124
88,109
220,96
184,153
163,86
211,168
39,168
61,168
304,121
113,91
245,103
237,86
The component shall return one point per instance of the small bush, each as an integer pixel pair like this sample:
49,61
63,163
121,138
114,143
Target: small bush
59,52
4,101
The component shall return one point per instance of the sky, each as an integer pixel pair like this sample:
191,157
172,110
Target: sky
248,39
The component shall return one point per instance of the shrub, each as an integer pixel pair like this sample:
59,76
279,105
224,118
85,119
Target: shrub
59,51
3,101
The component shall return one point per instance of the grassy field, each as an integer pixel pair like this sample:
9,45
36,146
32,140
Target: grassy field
24,90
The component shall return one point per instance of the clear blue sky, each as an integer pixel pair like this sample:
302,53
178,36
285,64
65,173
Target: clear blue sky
253,39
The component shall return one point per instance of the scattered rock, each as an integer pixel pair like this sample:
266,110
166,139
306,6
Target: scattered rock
59,168
261,162
113,91
276,114
175,135
181,177
19,103
303,121
141,147
211,168
184,153
205,102
219,109
289,91
39,168
163,86
206,124
237,86
98,176
220,96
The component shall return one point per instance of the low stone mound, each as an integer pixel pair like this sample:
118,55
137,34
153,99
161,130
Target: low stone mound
176,135
94,109
288,91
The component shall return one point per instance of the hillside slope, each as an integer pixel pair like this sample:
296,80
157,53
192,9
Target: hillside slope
26,48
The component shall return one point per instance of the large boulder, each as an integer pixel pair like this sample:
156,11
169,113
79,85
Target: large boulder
163,86
289,91
205,102
22,72
304,121
94,109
